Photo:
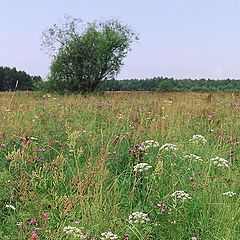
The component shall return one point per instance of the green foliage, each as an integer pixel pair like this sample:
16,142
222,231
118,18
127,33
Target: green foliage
11,79
82,59
70,160
166,86
180,85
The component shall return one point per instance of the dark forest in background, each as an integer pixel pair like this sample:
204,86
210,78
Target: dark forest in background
10,78
171,84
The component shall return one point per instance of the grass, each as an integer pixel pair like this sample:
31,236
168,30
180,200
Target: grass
68,161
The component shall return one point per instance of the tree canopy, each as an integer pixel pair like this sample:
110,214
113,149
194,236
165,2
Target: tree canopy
10,78
83,58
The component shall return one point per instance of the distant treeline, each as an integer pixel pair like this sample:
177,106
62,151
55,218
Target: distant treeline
10,78
170,84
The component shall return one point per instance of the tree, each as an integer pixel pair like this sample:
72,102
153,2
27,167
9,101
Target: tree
10,79
81,59
166,86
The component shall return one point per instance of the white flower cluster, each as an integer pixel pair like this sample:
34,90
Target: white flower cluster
74,231
220,162
198,138
168,147
10,206
181,195
138,217
193,157
148,144
140,167
108,235
230,194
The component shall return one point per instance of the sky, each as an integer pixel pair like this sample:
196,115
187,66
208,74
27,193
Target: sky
178,38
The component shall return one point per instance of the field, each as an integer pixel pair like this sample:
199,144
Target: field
70,166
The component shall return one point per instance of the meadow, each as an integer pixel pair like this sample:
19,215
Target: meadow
135,166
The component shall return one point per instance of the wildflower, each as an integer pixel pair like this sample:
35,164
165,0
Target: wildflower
193,238
35,236
230,194
33,221
211,116
46,215
181,195
193,157
220,162
39,159
126,235
148,144
137,151
108,235
141,167
33,138
40,149
3,145
138,217
87,235
164,208
74,231
10,206
198,138
168,147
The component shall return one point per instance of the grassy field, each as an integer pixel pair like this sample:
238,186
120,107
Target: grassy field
70,167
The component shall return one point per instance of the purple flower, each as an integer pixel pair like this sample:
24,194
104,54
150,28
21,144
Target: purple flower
39,159
46,215
40,149
33,221
35,235
3,145
87,235
126,235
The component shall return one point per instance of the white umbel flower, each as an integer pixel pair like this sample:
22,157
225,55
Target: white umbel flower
138,217
193,157
230,194
108,235
140,167
220,162
10,206
148,144
74,231
168,147
198,138
181,195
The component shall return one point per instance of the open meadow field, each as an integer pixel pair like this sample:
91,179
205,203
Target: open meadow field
126,166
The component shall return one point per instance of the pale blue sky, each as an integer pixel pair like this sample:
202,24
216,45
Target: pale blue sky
178,38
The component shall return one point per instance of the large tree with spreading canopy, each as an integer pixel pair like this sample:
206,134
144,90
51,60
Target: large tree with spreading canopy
85,54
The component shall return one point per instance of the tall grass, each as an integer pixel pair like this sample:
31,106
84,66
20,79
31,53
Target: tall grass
69,161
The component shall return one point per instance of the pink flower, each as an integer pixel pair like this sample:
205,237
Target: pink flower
35,236
33,221
46,215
